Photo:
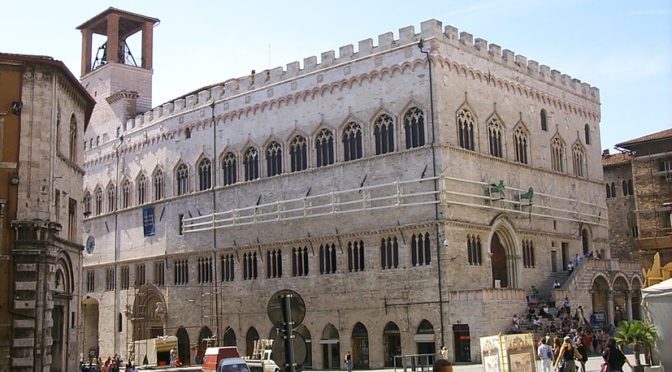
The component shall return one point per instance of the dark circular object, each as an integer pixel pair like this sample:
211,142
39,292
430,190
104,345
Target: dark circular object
300,350
276,304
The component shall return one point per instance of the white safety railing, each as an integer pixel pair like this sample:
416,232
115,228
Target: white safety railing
403,194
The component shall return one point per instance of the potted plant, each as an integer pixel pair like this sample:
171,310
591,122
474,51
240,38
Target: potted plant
637,335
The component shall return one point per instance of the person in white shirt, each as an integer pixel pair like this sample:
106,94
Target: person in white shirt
545,355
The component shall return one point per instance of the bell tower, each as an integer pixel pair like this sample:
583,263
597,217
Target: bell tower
113,69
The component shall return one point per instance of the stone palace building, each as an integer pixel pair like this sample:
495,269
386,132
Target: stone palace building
44,111
410,189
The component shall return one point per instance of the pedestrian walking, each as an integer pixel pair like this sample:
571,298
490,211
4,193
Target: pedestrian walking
545,355
348,361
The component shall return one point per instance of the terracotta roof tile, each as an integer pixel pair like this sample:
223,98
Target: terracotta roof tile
620,158
667,133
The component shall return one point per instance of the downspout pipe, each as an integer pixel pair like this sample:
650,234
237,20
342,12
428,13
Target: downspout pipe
217,295
117,248
436,188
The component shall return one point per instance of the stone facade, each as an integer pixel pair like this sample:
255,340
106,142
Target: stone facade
650,164
41,214
619,189
407,191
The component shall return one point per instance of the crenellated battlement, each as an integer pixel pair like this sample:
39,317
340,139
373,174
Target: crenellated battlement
430,30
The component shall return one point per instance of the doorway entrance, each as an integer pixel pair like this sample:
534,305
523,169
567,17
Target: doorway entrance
462,342
498,258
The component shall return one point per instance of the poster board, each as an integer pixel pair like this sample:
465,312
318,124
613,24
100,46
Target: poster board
509,353
491,354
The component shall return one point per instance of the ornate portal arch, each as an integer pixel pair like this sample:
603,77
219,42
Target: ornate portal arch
149,313
503,251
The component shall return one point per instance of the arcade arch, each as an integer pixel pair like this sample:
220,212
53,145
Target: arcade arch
391,343
360,346
183,347
331,352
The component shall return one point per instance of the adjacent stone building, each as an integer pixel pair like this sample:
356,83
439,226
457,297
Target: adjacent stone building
619,189
638,184
410,191
43,114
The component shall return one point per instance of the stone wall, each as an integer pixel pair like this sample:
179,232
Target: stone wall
276,105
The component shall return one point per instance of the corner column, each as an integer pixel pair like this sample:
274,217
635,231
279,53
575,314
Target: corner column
113,38
147,45
628,306
610,307
86,51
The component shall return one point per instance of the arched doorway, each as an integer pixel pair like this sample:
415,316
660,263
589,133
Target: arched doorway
621,298
599,290
149,313
424,338
61,326
183,351
500,276
90,313
360,347
331,352
251,336
229,337
585,240
391,343
305,333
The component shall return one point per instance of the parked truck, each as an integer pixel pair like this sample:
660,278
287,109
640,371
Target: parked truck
214,356
261,360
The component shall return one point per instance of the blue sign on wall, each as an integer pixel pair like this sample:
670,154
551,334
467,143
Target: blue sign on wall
148,220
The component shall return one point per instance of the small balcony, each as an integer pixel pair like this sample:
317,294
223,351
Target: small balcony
656,239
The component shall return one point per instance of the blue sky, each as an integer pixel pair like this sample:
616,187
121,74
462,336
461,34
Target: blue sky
624,48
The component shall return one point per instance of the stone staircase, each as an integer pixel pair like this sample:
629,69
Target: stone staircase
575,286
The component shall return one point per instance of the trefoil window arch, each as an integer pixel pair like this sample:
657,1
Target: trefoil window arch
158,185
579,160
229,170
521,140
557,155
495,131
142,189
352,141
324,148
383,132
273,159
182,178
204,174
251,164
298,154
465,129
414,127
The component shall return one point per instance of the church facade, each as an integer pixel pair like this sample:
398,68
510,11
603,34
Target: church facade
410,190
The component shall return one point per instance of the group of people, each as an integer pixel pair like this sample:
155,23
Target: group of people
111,364
571,354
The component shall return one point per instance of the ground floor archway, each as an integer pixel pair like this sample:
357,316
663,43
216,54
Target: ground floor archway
391,343
360,347
183,345
90,314
305,333
424,338
331,352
